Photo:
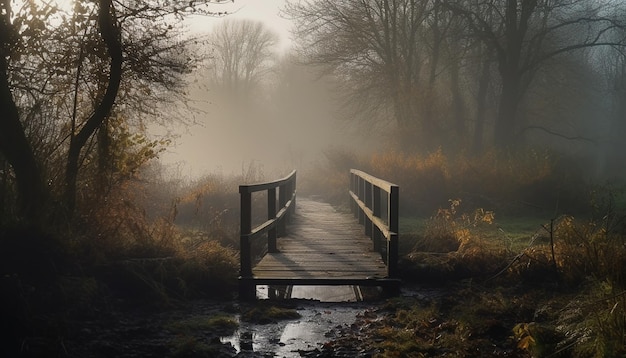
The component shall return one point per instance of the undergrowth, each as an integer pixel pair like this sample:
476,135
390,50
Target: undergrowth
117,253
580,260
519,182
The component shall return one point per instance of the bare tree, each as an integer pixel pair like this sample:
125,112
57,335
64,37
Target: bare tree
243,52
525,35
62,77
372,46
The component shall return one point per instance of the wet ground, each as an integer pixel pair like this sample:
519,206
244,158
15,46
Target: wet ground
315,328
324,312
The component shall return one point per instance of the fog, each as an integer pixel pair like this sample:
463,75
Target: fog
290,118
288,122
268,134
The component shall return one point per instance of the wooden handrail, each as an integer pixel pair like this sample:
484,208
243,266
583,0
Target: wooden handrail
379,214
275,224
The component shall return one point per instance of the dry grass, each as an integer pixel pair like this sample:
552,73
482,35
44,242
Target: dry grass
509,183
581,262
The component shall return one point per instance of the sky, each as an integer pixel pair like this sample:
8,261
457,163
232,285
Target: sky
266,11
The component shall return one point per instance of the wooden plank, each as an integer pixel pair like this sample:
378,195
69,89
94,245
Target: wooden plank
324,265
323,245
251,188
303,281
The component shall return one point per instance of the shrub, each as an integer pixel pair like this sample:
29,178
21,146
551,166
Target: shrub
423,180
452,246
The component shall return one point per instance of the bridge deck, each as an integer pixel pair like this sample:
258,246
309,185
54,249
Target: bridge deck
322,247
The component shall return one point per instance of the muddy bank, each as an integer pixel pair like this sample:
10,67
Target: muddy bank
461,320
194,331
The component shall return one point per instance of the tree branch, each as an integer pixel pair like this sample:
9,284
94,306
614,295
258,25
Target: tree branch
551,132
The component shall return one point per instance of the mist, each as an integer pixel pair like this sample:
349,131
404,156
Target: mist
288,118
282,127
291,114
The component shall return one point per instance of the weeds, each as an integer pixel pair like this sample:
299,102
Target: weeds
525,182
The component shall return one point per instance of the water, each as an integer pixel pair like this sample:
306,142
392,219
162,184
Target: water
330,307
317,293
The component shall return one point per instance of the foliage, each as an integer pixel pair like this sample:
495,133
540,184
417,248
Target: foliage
81,83
460,323
535,338
211,204
506,183
445,73
454,245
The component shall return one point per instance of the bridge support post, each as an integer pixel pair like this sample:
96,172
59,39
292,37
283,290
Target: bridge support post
361,194
282,201
271,214
392,244
247,289
273,227
354,207
376,210
369,193
379,214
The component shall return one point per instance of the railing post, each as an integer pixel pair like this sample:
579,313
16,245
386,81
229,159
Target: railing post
247,290
271,214
367,198
361,194
282,200
354,207
392,245
292,196
376,210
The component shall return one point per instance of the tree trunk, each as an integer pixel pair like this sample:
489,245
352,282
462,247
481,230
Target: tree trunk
457,101
507,111
13,142
429,100
516,27
111,35
481,106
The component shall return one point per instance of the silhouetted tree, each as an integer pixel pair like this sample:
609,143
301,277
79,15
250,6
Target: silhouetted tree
64,74
373,47
242,54
525,35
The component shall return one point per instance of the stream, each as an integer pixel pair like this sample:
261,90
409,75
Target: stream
325,313
324,310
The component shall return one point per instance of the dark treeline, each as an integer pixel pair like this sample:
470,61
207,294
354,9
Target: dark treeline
470,75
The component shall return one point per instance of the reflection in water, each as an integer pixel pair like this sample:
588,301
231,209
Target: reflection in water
328,293
318,317
245,341
317,293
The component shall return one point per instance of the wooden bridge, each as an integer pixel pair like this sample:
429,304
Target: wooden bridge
316,244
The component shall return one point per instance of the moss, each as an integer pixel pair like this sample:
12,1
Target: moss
218,324
269,314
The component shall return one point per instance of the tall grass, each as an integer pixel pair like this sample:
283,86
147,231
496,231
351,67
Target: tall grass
506,182
572,267
510,183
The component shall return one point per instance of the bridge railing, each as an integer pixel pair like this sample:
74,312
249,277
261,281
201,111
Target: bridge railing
375,202
276,217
